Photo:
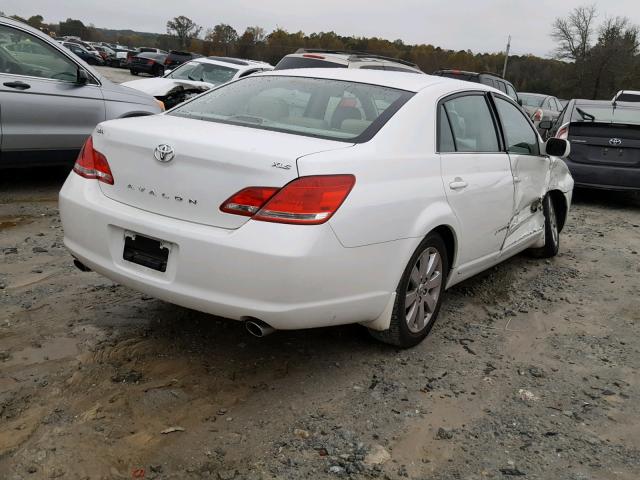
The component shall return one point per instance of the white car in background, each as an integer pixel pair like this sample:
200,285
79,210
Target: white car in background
196,76
309,198
627,96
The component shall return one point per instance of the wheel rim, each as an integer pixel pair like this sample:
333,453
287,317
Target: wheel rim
423,290
553,223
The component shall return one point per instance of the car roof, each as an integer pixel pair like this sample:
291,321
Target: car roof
347,57
541,95
383,78
579,102
237,63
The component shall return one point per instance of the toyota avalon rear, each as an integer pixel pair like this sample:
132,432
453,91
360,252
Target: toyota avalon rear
206,207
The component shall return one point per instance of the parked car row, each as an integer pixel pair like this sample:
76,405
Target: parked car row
52,99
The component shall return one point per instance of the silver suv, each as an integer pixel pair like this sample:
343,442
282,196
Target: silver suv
316,58
52,100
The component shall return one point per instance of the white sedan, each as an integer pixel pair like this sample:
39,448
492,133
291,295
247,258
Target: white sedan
196,76
308,198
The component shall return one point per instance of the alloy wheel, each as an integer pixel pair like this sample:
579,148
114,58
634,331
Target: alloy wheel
423,290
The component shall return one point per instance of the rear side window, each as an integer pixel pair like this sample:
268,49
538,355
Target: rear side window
331,109
520,136
288,63
445,137
472,124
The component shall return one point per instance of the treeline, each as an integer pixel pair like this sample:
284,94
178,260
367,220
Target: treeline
591,61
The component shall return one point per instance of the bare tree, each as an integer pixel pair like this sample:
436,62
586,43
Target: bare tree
184,28
574,33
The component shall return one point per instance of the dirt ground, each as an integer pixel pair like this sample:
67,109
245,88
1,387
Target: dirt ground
532,371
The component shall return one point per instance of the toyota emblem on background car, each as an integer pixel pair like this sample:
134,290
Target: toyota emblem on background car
164,153
615,141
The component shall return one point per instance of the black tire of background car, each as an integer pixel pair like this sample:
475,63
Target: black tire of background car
551,245
398,333
158,71
133,72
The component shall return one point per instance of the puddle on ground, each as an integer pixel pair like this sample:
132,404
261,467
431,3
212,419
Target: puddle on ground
54,349
11,222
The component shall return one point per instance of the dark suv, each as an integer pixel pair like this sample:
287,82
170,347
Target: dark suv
492,79
177,58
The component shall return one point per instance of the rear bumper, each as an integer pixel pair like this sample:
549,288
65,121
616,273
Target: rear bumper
604,176
288,276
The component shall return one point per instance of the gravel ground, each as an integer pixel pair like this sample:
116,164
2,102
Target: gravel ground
118,75
531,371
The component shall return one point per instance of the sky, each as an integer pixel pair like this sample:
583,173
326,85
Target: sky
477,25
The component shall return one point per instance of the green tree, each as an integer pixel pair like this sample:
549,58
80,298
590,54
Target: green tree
223,38
184,28
74,28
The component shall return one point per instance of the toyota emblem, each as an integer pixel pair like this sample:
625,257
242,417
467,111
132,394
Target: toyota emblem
164,153
615,142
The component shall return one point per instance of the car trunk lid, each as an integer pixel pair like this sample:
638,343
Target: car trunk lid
603,143
211,162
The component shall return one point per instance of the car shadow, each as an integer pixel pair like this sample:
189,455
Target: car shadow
607,198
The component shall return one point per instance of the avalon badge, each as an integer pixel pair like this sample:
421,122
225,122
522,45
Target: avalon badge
164,153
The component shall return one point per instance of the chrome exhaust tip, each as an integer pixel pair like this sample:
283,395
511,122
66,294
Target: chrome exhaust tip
258,328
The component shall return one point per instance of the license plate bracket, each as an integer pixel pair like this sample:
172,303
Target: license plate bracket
146,251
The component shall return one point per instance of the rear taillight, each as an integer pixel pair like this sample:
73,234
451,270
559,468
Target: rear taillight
304,201
563,132
248,201
92,164
538,115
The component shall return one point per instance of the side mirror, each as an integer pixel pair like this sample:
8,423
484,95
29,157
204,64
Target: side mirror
167,72
520,101
557,147
82,77
545,124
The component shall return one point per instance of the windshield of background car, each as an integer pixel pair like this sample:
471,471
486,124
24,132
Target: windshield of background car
531,100
605,114
287,63
628,97
315,107
204,72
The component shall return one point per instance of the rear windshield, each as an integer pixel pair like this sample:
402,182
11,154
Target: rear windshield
331,109
288,63
154,56
203,72
605,114
628,97
531,100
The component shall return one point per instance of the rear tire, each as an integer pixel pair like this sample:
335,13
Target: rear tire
551,231
418,296
158,71
133,72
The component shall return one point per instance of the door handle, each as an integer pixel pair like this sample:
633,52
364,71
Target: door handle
18,85
517,179
458,184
